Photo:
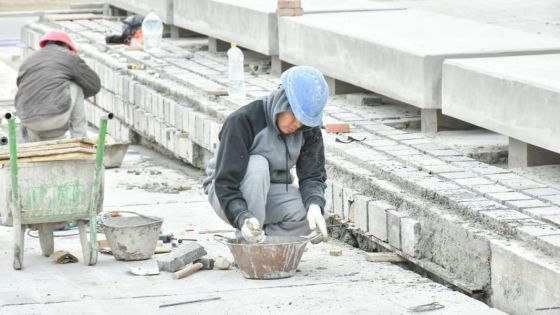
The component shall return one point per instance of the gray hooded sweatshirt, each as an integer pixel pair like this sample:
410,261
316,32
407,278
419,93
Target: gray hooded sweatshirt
252,130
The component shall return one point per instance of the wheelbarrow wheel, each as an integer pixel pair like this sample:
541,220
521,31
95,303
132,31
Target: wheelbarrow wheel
46,238
89,254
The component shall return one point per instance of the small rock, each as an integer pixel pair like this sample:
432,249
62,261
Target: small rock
222,263
335,252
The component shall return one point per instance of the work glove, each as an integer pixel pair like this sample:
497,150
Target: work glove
317,221
252,232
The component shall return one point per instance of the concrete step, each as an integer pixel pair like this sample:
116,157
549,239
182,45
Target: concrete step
522,92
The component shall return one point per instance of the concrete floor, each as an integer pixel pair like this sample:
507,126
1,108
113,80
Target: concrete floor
325,284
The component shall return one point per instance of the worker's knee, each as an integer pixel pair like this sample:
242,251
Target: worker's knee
257,169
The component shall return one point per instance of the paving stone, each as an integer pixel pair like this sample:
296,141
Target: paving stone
481,168
532,232
405,136
361,212
460,158
474,207
337,199
400,153
523,204
365,154
495,188
553,198
347,200
539,192
458,175
443,168
444,152
473,181
504,176
458,195
427,161
503,215
554,219
377,217
520,184
544,211
394,228
380,143
410,236
433,185
416,141
390,132
507,196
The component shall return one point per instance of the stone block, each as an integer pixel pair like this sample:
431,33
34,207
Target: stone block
328,197
410,236
394,228
377,218
539,192
338,209
360,206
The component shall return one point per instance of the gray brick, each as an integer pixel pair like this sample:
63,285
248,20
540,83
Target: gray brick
522,204
365,154
507,196
458,175
458,195
416,141
474,207
519,184
483,189
444,168
550,244
481,168
377,217
468,182
347,200
459,158
544,211
361,212
531,232
553,198
503,215
444,152
394,228
337,199
410,236
539,192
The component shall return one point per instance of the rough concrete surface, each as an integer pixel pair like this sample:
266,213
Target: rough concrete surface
331,285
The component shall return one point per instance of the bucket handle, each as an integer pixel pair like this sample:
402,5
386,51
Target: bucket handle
140,215
222,239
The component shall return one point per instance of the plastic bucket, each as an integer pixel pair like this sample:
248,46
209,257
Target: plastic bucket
132,237
278,257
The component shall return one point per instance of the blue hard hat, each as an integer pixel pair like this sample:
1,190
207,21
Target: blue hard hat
307,93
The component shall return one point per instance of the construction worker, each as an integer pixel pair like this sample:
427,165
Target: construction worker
249,183
52,84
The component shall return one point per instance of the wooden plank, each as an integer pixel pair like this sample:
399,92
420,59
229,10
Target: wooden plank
50,152
58,157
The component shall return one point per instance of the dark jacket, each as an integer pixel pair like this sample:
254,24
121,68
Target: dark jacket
43,81
252,130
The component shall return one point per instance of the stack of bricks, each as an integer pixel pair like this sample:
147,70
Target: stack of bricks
289,8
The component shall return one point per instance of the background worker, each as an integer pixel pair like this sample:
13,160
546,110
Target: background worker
52,84
249,183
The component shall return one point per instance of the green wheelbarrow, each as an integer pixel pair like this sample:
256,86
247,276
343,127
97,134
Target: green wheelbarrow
39,193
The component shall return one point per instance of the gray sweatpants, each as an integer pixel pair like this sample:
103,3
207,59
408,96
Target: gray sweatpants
54,128
282,213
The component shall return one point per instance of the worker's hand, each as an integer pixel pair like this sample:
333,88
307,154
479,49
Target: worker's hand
251,231
317,221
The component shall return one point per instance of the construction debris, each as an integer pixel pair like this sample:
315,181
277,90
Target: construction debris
222,263
335,252
142,271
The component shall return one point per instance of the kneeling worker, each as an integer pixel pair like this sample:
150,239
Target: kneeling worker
249,183
52,84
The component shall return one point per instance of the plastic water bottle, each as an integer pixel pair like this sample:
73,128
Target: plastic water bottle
236,80
152,31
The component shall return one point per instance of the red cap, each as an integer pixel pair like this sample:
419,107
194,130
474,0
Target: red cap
58,36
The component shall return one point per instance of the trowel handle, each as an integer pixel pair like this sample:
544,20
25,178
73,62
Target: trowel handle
187,271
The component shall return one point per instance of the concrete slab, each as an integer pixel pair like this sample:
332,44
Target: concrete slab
515,96
401,48
252,24
163,8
